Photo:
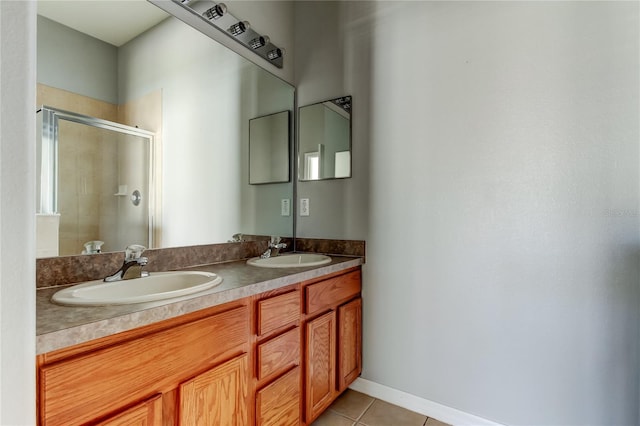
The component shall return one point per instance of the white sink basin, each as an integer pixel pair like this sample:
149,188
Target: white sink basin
290,260
157,286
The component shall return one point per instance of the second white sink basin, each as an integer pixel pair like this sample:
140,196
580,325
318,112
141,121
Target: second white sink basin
157,286
290,260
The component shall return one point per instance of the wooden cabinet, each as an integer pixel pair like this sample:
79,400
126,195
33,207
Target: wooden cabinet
147,413
278,358
100,380
217,397
333,340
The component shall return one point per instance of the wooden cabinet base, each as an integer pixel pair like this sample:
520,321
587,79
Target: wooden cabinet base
86,387
333,340
275,359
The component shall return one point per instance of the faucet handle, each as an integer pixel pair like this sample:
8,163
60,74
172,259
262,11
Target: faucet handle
133,252
92,247
236,238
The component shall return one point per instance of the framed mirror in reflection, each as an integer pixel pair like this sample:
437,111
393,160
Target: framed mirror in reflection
196,97
269,149
324,140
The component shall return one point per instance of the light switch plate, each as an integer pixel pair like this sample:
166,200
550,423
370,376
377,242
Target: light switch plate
285,207
304,207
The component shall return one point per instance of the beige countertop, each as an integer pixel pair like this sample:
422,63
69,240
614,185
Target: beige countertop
62,326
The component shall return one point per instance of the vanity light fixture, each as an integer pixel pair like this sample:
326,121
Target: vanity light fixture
258,42
205,15
215,12
238,28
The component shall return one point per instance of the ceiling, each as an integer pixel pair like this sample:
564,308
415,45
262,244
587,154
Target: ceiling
113,21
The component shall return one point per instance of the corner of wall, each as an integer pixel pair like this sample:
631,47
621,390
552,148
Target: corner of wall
17,229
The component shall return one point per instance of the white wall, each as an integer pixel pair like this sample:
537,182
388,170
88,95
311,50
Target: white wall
502,222
208,96
71,60
17,196
331,60
196,130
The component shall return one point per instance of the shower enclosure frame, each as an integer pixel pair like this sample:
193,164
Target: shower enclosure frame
48,156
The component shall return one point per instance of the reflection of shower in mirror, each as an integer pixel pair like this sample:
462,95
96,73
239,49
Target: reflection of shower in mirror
82,162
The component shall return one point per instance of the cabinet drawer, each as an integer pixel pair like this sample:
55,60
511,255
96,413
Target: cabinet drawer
331,292
98,383
279,403
278,311
279,353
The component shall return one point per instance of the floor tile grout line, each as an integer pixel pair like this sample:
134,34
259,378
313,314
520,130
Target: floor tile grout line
358,420
365,410
338,413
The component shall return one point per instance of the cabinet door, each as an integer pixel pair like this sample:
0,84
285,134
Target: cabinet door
148,413
320,374
349,343
217,397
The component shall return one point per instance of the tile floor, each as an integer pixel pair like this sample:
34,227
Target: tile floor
357,409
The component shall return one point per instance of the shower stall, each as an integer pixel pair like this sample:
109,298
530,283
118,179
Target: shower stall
95,184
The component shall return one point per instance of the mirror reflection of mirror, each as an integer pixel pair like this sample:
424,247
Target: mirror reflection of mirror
324,140
197,101
269,148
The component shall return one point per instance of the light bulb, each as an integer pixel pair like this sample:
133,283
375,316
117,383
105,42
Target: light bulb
258,42
239,28
274,54
216,11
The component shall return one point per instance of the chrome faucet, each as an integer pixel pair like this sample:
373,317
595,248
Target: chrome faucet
132,266
274,248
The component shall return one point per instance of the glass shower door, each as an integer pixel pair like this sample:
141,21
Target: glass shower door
102,183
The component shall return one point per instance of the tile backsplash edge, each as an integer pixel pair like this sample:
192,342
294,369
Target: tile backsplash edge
327,246
56,271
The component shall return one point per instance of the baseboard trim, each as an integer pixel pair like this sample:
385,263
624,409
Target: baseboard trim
414,403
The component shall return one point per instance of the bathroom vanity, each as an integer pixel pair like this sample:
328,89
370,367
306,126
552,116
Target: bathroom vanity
275,350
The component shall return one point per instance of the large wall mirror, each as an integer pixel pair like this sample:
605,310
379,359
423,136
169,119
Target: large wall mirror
324,140
195,95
